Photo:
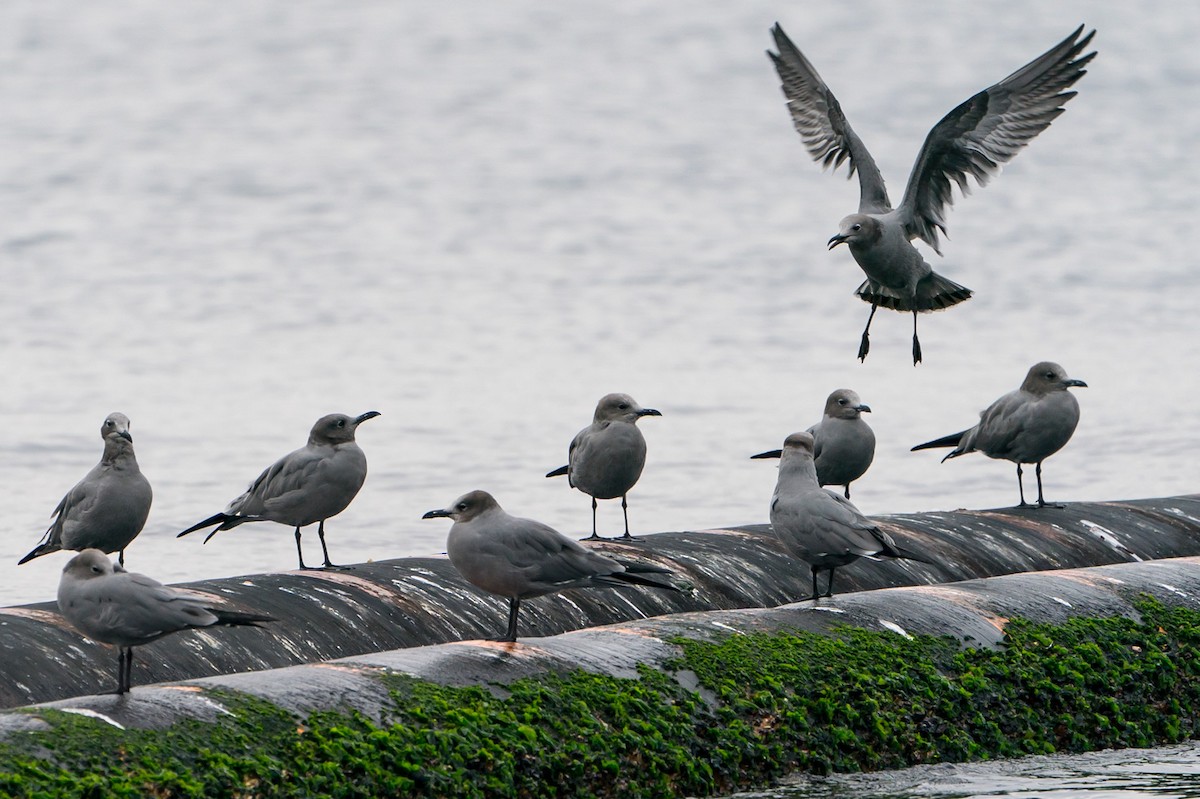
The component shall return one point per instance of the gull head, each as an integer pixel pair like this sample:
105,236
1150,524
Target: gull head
856,229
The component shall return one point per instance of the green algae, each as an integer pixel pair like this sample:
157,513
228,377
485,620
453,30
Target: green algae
769,704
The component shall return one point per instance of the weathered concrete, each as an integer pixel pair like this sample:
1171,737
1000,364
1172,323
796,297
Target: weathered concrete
974,611
413,602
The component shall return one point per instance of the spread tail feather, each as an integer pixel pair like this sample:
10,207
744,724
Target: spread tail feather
934,293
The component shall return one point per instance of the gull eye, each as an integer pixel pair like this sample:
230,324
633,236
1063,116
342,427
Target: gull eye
461,506
856,227
623,407
1050,375
96,569
341,422
841,402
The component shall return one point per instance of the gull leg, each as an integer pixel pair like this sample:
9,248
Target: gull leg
829,588
815,595
593,536
916,342
124,669
325,550
625,511
1042,503
864,346
1021,487
300,552
514,606
847,491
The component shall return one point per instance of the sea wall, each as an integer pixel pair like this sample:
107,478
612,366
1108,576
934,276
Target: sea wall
414,602
688,704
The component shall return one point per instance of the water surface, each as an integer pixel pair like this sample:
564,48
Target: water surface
227,220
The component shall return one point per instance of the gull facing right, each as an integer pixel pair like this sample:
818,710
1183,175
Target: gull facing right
1024,426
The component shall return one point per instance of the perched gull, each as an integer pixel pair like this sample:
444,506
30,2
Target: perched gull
312,484
845,443
972,140
117,607
1024,426
818,526
606,457
107,508
522,558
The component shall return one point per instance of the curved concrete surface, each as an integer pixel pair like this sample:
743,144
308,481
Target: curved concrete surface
415,602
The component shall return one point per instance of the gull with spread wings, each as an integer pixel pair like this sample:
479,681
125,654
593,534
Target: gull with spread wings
974,140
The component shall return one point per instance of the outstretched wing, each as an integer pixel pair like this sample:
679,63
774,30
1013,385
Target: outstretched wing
821,124
988,130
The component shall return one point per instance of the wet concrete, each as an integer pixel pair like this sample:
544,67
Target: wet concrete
415,602
974,611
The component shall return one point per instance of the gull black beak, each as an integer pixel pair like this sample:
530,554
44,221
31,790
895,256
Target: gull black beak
648,412
364,417
125,434
863,408
437,514
1072,382
836,240
775,453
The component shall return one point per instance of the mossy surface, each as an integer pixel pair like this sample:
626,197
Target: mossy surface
771,704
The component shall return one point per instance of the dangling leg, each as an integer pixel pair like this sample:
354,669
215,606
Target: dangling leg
1021,487
625,511
593,536
325,550
1042,503
847,490
916,342
300,552
864,346
514,606
829,590
121,558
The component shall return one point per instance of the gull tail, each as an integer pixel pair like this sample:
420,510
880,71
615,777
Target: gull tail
44,548
635,574
225,521
934,293
952,440
896,551
559,472
237,618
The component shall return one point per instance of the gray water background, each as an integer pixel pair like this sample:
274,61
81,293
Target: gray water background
1168,772
228,219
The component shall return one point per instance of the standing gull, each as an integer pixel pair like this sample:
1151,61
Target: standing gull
845,443
972,140
107,508
522,558
312,484
818,526
605,458
117,607
1024,426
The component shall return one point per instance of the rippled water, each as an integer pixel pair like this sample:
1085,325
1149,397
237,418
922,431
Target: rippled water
1169,772
228,219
